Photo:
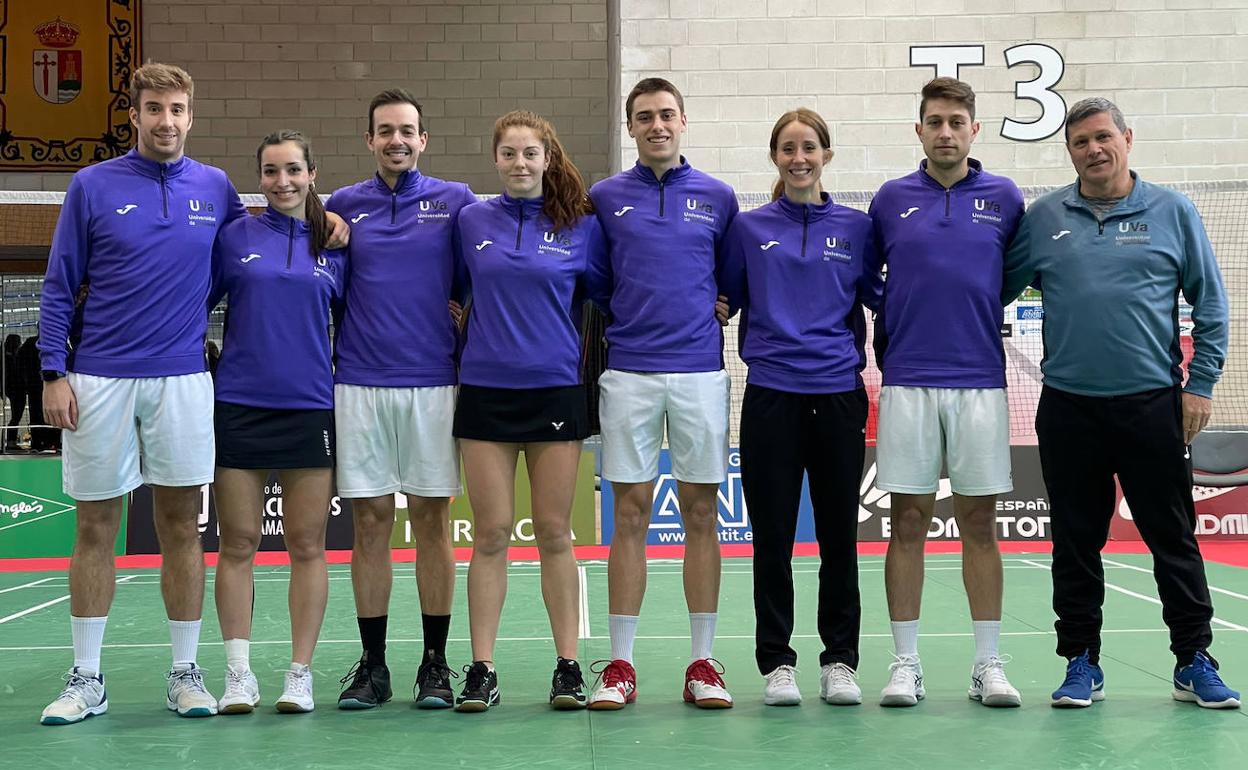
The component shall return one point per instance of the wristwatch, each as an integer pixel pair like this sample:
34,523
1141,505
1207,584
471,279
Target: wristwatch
52,375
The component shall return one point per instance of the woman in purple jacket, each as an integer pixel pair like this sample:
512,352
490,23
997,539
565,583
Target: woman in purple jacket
802,267
274,409
533,255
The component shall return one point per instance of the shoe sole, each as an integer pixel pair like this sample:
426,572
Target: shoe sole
901,701
997,701
608,705
1067,702
89,712
194,713
837,700
782,701
711,703
435,702
475,706
566,703
1190,697
290,707
238,708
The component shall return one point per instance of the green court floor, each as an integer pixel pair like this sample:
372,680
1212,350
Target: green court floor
1138,726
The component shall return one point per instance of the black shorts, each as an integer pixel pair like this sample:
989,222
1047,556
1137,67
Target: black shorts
254,437
521,415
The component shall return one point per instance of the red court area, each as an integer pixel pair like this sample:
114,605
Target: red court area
1232,553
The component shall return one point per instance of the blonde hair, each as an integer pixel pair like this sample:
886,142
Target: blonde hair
155,76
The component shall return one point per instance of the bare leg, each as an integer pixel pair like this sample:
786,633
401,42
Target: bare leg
305,510
371,572
626,564
92,571
239,495
903,566
702,560
176,514
552,473
435,559
490,468
981,558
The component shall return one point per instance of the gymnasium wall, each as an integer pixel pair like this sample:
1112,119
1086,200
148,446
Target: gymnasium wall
1178,68
313,65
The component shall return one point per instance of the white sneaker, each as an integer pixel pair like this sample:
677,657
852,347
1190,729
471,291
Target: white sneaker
905,683
297,695
242,692
989,685
781,688
186,693
83,696
838,685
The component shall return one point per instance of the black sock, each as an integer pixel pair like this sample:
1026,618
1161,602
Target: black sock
436,628
373,638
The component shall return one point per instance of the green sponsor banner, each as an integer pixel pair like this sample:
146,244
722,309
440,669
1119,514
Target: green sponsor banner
36,517
584,517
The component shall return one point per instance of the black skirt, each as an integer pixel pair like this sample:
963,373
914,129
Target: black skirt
521,415
252,437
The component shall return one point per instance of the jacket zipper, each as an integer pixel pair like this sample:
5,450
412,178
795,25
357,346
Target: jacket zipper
164,191
805,223
519,228
394,198
660,199
290,244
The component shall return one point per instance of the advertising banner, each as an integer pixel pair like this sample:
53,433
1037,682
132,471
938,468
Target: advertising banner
36,517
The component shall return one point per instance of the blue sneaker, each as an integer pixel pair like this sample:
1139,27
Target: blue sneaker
1084,685
1198,682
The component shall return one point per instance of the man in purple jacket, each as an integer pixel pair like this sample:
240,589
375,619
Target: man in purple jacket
943,230
664,223
394,392
133,396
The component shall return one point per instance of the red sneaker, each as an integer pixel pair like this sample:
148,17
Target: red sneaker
616,687
704,687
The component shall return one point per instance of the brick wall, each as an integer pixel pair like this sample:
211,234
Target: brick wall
313,65
1178,69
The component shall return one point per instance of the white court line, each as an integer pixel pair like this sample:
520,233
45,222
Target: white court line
1215,589
28,585
547,639
1155,600
57,600
583,600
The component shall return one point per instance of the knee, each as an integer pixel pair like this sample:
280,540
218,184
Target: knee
491,541
909,527
553,538
430,518
96,531
305,547
979,529
631,519
238,546
699,517
370,523
175,530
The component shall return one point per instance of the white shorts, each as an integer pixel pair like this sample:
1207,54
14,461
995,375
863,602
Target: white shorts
968,427
138,430
396,440
633,408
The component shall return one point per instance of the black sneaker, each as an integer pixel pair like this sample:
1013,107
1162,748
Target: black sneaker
567,688
433,684
369,688
480,689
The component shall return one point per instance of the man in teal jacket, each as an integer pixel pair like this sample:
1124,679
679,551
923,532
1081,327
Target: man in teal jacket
1111,255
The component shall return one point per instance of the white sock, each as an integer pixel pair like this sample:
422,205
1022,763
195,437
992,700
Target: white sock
238,654
623,630
88,635
906,637
702,632
987,638
185,637
298,668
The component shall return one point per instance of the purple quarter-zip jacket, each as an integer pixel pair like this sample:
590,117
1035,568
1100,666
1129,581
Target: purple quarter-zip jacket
528,284
801,274
664,237
944,249
396,330
140,233
276,352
